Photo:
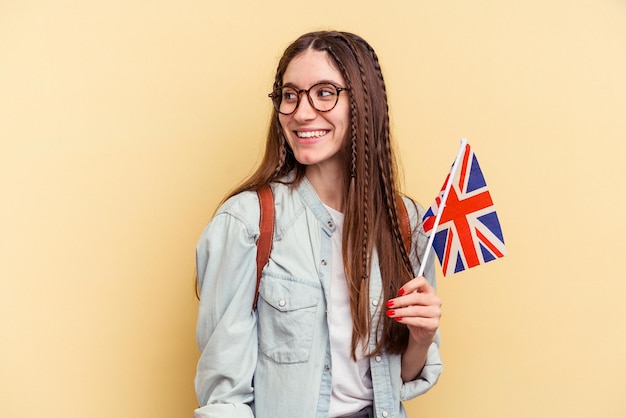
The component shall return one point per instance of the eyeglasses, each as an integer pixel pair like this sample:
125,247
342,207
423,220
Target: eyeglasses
323,97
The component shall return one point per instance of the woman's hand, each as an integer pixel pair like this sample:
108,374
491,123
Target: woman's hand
418,306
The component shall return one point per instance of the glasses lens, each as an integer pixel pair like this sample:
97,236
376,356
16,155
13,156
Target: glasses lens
285,99
324,96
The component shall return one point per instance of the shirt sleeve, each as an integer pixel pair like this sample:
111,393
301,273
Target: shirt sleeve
227,328
428,376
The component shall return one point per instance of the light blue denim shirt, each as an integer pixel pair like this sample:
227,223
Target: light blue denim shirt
275,362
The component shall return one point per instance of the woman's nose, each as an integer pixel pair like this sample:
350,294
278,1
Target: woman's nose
304,110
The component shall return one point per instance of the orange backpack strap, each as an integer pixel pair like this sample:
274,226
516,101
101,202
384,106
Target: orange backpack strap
405,224
266,235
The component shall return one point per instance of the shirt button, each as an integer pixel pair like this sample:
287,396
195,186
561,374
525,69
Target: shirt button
330,224
378,358
385,414
282,303
324,262
375,302
326,367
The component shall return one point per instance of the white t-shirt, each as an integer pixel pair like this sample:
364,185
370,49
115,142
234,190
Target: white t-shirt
351,382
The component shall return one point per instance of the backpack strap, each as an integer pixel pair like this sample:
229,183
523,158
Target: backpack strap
405,224
266,235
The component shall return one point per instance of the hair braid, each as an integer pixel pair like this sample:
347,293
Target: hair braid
366,162
387,171
364,180
282,156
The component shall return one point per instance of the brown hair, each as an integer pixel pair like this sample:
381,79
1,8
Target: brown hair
370,204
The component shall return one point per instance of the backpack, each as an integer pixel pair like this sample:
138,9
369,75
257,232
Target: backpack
266,233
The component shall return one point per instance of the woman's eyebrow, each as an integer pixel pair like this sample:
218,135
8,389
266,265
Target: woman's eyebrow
295,86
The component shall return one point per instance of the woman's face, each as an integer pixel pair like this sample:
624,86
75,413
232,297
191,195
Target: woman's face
316,138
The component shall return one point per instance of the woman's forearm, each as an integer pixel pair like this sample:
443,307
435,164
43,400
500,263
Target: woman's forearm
413,360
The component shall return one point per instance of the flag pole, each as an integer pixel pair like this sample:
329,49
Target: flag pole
442,205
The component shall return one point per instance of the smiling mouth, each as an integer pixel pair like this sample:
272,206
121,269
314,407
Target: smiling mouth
310,134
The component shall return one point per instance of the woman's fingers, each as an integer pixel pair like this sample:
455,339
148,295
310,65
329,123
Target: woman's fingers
415,292
417,305
418,284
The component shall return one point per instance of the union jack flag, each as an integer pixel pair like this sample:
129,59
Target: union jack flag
469,232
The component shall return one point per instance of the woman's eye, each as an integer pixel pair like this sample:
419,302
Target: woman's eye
289,95
326,93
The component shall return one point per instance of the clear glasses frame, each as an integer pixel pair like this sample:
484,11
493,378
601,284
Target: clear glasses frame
325,97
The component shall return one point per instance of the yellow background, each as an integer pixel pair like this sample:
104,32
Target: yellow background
123,123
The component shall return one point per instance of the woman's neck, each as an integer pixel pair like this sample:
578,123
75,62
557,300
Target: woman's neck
329,186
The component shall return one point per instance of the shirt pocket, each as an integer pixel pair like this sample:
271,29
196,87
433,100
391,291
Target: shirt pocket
286,318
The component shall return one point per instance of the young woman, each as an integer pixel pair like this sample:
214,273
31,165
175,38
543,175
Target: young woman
342,327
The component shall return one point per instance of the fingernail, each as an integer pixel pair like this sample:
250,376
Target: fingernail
391,312
401,292
389,303
398,318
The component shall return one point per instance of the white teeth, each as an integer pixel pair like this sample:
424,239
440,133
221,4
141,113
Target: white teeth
310,134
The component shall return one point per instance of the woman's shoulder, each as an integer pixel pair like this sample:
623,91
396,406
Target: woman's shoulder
245,205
